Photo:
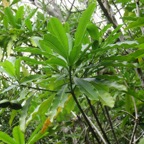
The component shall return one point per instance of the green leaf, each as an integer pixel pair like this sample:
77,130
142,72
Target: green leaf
30,78
52,42
87,88
112,37
57,29
19,14
33,138
9,47
138,23
124,44
10,16
58,102
12,116
29,49
24,115
18,135
6,138
104,96
25,71
28,24
8,88
31,14
93,31
17,68
141,141
40,109
36,137
107,100
95,91
8,68
32,61
44,47
57,61
35,41
14,2
84,20
5,21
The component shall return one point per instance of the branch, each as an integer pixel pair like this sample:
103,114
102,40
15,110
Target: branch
136,122
107,14
97,120
98,132
39,89
69,13
79,106
110,122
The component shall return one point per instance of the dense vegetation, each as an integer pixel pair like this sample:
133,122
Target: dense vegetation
68,77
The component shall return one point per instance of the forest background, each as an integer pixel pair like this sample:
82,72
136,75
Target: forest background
72,71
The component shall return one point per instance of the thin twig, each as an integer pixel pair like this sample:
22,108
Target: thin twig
98,132
136,122
69,13
97,120
79,106
110,122
39,89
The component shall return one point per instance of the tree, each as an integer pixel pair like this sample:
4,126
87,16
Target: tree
66,78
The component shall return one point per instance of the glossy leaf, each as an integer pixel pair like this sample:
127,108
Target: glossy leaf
87,88
84,20
75,52
93,31
57,61
52,42
58,31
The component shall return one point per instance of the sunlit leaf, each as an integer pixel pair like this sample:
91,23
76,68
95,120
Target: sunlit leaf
8,68
6,138
138,23
93,31
58,30
18,135
19,14
52,42
10,16
80,33
84,20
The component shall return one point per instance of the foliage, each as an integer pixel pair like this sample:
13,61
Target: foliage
68,83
